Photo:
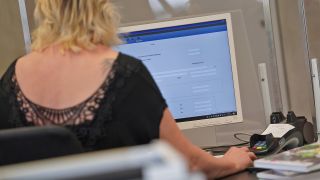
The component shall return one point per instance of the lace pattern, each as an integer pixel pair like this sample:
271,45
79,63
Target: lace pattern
78,114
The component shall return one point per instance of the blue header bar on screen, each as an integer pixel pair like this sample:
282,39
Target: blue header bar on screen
174,32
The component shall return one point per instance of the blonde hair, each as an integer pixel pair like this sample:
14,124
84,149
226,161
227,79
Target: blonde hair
75,24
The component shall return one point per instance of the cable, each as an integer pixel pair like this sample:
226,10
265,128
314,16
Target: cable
225,148
237,134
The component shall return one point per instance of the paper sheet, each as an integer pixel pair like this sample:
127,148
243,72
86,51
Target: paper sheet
278,130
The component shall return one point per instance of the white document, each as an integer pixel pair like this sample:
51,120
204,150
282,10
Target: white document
278,130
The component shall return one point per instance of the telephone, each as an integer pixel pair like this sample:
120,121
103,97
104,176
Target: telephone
283,134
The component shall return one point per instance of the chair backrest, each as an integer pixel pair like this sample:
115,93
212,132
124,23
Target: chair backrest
35,143
152,161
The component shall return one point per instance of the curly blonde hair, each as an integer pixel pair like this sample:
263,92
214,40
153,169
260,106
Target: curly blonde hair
75,24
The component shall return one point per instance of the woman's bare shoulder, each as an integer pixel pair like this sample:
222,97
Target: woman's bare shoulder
27,61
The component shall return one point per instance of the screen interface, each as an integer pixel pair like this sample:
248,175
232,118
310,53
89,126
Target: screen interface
191,65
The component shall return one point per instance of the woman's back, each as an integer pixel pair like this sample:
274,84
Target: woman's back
111,113
59,81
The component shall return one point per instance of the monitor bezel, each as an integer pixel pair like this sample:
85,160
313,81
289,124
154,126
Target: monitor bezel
169,23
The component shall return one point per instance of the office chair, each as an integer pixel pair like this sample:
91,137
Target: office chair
35,143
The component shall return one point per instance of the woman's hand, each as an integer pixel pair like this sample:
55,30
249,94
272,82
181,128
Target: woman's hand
240,157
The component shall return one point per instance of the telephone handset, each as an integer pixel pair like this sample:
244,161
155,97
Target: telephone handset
283,134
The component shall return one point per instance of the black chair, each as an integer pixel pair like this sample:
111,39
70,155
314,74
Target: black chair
35,143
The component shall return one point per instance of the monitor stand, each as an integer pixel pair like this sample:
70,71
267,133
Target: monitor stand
202,137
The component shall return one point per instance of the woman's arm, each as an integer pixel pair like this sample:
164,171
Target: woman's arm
236,159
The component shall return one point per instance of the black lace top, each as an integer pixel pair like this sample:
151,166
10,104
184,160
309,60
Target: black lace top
125,110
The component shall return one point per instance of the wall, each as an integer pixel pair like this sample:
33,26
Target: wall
11,36
313,23
295,57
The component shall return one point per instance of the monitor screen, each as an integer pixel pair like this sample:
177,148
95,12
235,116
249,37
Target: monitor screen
193,63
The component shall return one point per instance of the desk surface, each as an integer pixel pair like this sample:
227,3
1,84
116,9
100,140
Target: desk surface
245,175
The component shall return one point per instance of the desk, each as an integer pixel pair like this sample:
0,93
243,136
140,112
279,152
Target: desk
245,175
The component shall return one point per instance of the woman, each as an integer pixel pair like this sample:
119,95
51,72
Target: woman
74,78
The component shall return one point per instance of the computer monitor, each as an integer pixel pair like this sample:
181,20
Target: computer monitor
193,62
